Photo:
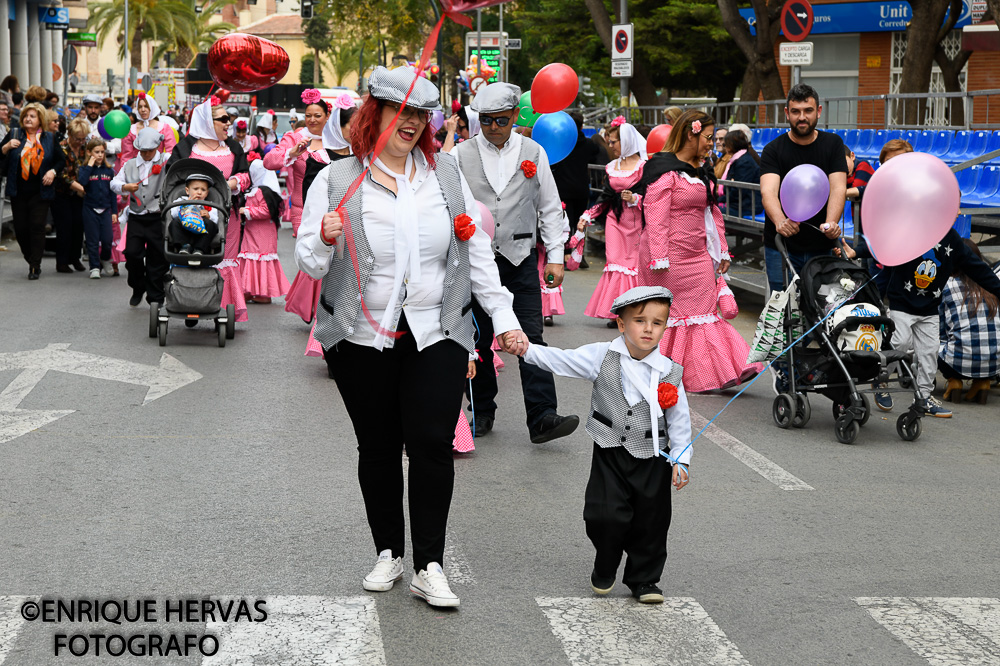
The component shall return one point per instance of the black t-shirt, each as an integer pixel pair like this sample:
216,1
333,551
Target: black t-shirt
781,156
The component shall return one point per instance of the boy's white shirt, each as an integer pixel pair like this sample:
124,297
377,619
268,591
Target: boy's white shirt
639,380
176,212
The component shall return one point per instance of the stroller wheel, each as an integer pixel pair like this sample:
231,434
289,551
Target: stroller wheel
154,318
868,409
230,321
162,331
222,334
846,429
908,427
783,410
802,411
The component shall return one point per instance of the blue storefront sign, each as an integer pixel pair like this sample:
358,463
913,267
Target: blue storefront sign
863,17
59,15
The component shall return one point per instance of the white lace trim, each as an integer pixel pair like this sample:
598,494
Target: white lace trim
227,263
726,291
221,152
616,268
659,263
256,256
673,322
552,290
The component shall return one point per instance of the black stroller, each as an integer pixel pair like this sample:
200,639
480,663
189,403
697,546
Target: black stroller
851,348
193,287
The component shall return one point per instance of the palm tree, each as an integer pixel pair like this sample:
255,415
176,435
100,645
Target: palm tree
149,20
203,32
343,59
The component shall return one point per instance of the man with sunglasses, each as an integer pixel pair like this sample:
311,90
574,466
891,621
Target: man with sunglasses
510,175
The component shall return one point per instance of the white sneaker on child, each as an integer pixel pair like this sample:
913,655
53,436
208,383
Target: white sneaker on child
385,574
95,273
107,270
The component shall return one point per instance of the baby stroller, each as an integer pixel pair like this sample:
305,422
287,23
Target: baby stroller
850,349
193,287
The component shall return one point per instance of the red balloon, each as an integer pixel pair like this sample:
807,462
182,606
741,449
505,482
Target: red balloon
554,87
657,139
466,5
222,94
245,63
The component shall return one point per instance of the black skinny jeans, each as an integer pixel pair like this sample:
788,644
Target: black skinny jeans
30,213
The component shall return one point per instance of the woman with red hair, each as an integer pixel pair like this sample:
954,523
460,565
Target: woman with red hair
395,319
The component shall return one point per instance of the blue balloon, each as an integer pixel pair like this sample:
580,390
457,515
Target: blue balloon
556,133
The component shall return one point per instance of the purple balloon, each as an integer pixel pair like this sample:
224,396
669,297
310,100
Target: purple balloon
102,131
437,120
804,191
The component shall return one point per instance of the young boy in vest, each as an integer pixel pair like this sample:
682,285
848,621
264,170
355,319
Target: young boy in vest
638,407
138,183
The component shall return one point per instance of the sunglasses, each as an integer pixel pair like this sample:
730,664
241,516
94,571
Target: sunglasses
501,121
225,120
410,112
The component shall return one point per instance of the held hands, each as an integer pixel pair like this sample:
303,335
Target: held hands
513,342
681,476
553,275
49,176
114,218
332,228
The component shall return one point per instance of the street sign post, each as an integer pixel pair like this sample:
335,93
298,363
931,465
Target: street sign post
514,44
621,69
621,52
797,23
795,54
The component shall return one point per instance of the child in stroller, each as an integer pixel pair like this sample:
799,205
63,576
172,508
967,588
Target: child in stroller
194,227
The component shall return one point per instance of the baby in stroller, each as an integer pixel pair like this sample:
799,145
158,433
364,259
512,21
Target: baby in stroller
194,227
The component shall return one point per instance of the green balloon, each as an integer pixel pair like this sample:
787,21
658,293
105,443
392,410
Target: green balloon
117,124
527,115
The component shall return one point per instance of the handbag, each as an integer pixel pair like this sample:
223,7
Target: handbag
769,339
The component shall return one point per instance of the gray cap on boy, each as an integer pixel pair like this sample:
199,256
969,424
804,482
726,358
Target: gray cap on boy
638,295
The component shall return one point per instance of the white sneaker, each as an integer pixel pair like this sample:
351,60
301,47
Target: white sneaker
95,273
107,270
386,572
432,585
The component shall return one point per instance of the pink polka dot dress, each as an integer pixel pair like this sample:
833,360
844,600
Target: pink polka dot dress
259,265
712,352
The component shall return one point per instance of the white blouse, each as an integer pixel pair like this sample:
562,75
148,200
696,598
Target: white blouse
422,303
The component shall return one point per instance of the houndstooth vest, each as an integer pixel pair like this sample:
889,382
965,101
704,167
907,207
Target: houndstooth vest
340,301
514,209
613,422
147,198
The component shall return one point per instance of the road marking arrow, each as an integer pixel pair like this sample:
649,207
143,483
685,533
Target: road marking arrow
160,380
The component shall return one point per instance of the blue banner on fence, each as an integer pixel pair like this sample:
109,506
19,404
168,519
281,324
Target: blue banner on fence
863,17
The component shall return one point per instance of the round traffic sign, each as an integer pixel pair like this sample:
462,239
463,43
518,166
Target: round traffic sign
797,20
621,41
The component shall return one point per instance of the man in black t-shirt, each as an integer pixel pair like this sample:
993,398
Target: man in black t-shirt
802,144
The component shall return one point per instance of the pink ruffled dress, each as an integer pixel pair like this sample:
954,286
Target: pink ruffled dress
676,238
552,302
229,267
259,265
621,245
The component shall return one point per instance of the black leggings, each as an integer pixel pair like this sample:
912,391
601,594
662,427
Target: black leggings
30,213
403,395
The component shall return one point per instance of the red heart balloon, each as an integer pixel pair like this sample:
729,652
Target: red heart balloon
222,94
466,5
657,139
554,87
245,63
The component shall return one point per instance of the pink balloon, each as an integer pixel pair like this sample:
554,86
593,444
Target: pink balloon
804,191
909,205
489,226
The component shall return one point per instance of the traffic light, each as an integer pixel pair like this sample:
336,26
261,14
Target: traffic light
306,9
585,90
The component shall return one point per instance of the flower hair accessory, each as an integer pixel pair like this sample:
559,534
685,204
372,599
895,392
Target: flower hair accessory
311,96
619,121
141,95
253,155
696,127
215,101
666,395
529,168
464,228
241,124
344,101
271,111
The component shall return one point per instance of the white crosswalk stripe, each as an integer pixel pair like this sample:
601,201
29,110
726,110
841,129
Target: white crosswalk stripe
10,623
303,630
622,632
946,631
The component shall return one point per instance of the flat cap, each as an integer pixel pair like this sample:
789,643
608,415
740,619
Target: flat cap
390,85
233,111
93,99
200,176
496,97
148,139
638,295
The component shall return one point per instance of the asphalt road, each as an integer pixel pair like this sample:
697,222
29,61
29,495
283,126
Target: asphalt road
233,478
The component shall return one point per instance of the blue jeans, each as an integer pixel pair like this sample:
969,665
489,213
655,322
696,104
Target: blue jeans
97,229
773,264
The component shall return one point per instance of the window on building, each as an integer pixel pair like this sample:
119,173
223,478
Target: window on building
936,113
834,74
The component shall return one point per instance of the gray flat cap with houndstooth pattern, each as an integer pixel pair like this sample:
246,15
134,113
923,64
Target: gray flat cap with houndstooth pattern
390,85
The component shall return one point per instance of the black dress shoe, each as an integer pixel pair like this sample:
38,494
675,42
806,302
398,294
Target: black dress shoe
549,321
34,272
601,584
552,426
483,424
136,299
648,593
77,266
63,268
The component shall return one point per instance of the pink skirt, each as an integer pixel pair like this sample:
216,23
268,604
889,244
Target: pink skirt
302,297
552,302
263,275
714,355
118,232
232,292
463,436
613,283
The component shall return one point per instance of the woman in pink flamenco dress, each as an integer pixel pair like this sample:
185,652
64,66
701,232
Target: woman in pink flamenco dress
684,249
263,276
208,140
624,220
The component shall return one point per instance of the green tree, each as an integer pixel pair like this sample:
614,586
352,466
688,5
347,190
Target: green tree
318,38
308,75
149,20
344,58
199,32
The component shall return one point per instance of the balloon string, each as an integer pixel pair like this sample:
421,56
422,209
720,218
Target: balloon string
383,139
784,351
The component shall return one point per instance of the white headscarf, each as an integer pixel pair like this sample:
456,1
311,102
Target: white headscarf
333,137
154,110
473,117
202,124
267,121
261,176
631,141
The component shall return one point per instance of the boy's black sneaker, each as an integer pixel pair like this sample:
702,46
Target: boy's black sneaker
648,594
601,585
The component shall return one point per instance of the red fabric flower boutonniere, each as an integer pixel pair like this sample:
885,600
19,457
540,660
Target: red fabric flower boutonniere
464,228
208,209
667,395
529,168
253,155
157,168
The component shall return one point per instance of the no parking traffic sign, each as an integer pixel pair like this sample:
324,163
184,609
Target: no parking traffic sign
797,20
621,46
